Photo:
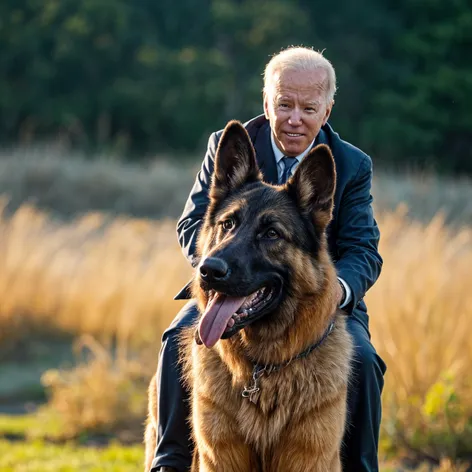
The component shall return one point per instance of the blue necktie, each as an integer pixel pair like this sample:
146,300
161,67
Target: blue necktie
289,162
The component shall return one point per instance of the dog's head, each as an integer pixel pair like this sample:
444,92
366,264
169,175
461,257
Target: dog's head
261,247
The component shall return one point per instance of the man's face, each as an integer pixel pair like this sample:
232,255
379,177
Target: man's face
296,107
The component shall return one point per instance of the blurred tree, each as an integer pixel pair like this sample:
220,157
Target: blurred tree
149,76
146,74
423,108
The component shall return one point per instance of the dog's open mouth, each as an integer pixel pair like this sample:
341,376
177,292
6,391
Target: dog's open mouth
225,315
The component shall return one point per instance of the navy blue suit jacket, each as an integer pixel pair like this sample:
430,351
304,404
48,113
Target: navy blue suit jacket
353,234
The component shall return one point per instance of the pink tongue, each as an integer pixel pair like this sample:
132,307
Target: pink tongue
215,319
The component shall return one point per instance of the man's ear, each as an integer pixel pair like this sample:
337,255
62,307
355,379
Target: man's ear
329,108
266,105
313,184
235,161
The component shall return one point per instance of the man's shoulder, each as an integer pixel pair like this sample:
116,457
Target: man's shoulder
252,126
346,151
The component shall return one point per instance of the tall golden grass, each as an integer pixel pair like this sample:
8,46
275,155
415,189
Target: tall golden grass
115,279
112,279
421,321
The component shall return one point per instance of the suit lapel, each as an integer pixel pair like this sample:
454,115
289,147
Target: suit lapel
322,138
265,154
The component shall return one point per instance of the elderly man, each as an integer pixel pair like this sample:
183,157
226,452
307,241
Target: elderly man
299,87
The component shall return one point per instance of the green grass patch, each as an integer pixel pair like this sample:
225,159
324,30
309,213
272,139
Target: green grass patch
21,425
41,456
30,426
37,454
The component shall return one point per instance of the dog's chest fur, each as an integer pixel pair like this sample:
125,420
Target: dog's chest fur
301,388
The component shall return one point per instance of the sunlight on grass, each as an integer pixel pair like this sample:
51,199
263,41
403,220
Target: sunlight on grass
38,456
29,426
114,280
421,317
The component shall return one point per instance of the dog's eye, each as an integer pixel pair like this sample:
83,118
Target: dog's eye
272,234
228,224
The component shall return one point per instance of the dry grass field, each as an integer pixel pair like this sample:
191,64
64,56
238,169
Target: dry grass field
421,317
105,282
112,282
112,279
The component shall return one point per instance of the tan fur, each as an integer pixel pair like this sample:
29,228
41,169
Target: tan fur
298,421
298,418
150,435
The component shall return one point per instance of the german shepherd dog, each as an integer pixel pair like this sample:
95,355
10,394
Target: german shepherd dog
268,362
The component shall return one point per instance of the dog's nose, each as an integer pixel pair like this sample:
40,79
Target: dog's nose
214,269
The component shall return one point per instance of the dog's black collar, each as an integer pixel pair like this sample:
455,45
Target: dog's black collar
260,369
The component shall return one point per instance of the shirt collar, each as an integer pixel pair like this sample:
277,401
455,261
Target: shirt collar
279,155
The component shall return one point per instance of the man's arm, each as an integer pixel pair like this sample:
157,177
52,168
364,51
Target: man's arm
191,220
359,263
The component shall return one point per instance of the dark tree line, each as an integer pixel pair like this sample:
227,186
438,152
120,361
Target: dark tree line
145,76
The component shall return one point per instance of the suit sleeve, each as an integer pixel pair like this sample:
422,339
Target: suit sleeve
358,262
191,220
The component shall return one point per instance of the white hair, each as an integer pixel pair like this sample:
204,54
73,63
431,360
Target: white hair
300,59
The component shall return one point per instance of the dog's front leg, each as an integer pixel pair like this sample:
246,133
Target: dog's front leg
304,457
227,458
312,442
220,445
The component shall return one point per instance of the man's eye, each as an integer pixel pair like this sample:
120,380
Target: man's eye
228,224
272,234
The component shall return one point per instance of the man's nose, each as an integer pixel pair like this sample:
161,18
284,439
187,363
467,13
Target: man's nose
214,269
295,118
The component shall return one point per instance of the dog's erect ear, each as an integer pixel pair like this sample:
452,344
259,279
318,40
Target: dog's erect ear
313,184
235,161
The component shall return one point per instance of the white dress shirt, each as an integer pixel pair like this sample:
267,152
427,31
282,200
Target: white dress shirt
279,155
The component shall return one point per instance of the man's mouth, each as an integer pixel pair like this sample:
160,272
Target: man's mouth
225,315
294,135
